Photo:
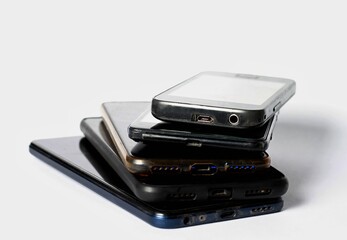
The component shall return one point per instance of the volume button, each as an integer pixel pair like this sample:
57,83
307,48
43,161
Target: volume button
276,107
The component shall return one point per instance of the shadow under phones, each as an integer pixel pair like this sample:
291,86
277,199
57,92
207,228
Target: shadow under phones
299,149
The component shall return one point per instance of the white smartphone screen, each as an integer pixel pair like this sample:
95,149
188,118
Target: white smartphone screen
228,89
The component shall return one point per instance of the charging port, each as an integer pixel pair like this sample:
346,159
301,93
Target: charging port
220,194
203,169
228,214
204,119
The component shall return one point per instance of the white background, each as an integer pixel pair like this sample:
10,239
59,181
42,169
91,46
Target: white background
59,60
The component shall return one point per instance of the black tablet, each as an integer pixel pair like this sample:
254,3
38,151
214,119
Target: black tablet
77,158
269,183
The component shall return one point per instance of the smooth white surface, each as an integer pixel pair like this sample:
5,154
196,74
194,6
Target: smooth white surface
60,60
228,89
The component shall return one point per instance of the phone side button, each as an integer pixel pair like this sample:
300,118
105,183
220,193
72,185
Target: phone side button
276,107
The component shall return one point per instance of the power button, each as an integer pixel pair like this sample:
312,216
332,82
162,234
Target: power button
276,107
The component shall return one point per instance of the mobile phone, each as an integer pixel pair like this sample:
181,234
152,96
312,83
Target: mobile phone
148,129
76,157
173,159
223,99
269,183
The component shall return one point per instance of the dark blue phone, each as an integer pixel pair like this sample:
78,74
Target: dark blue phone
77,158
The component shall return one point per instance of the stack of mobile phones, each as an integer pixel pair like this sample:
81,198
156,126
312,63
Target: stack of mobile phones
195,154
